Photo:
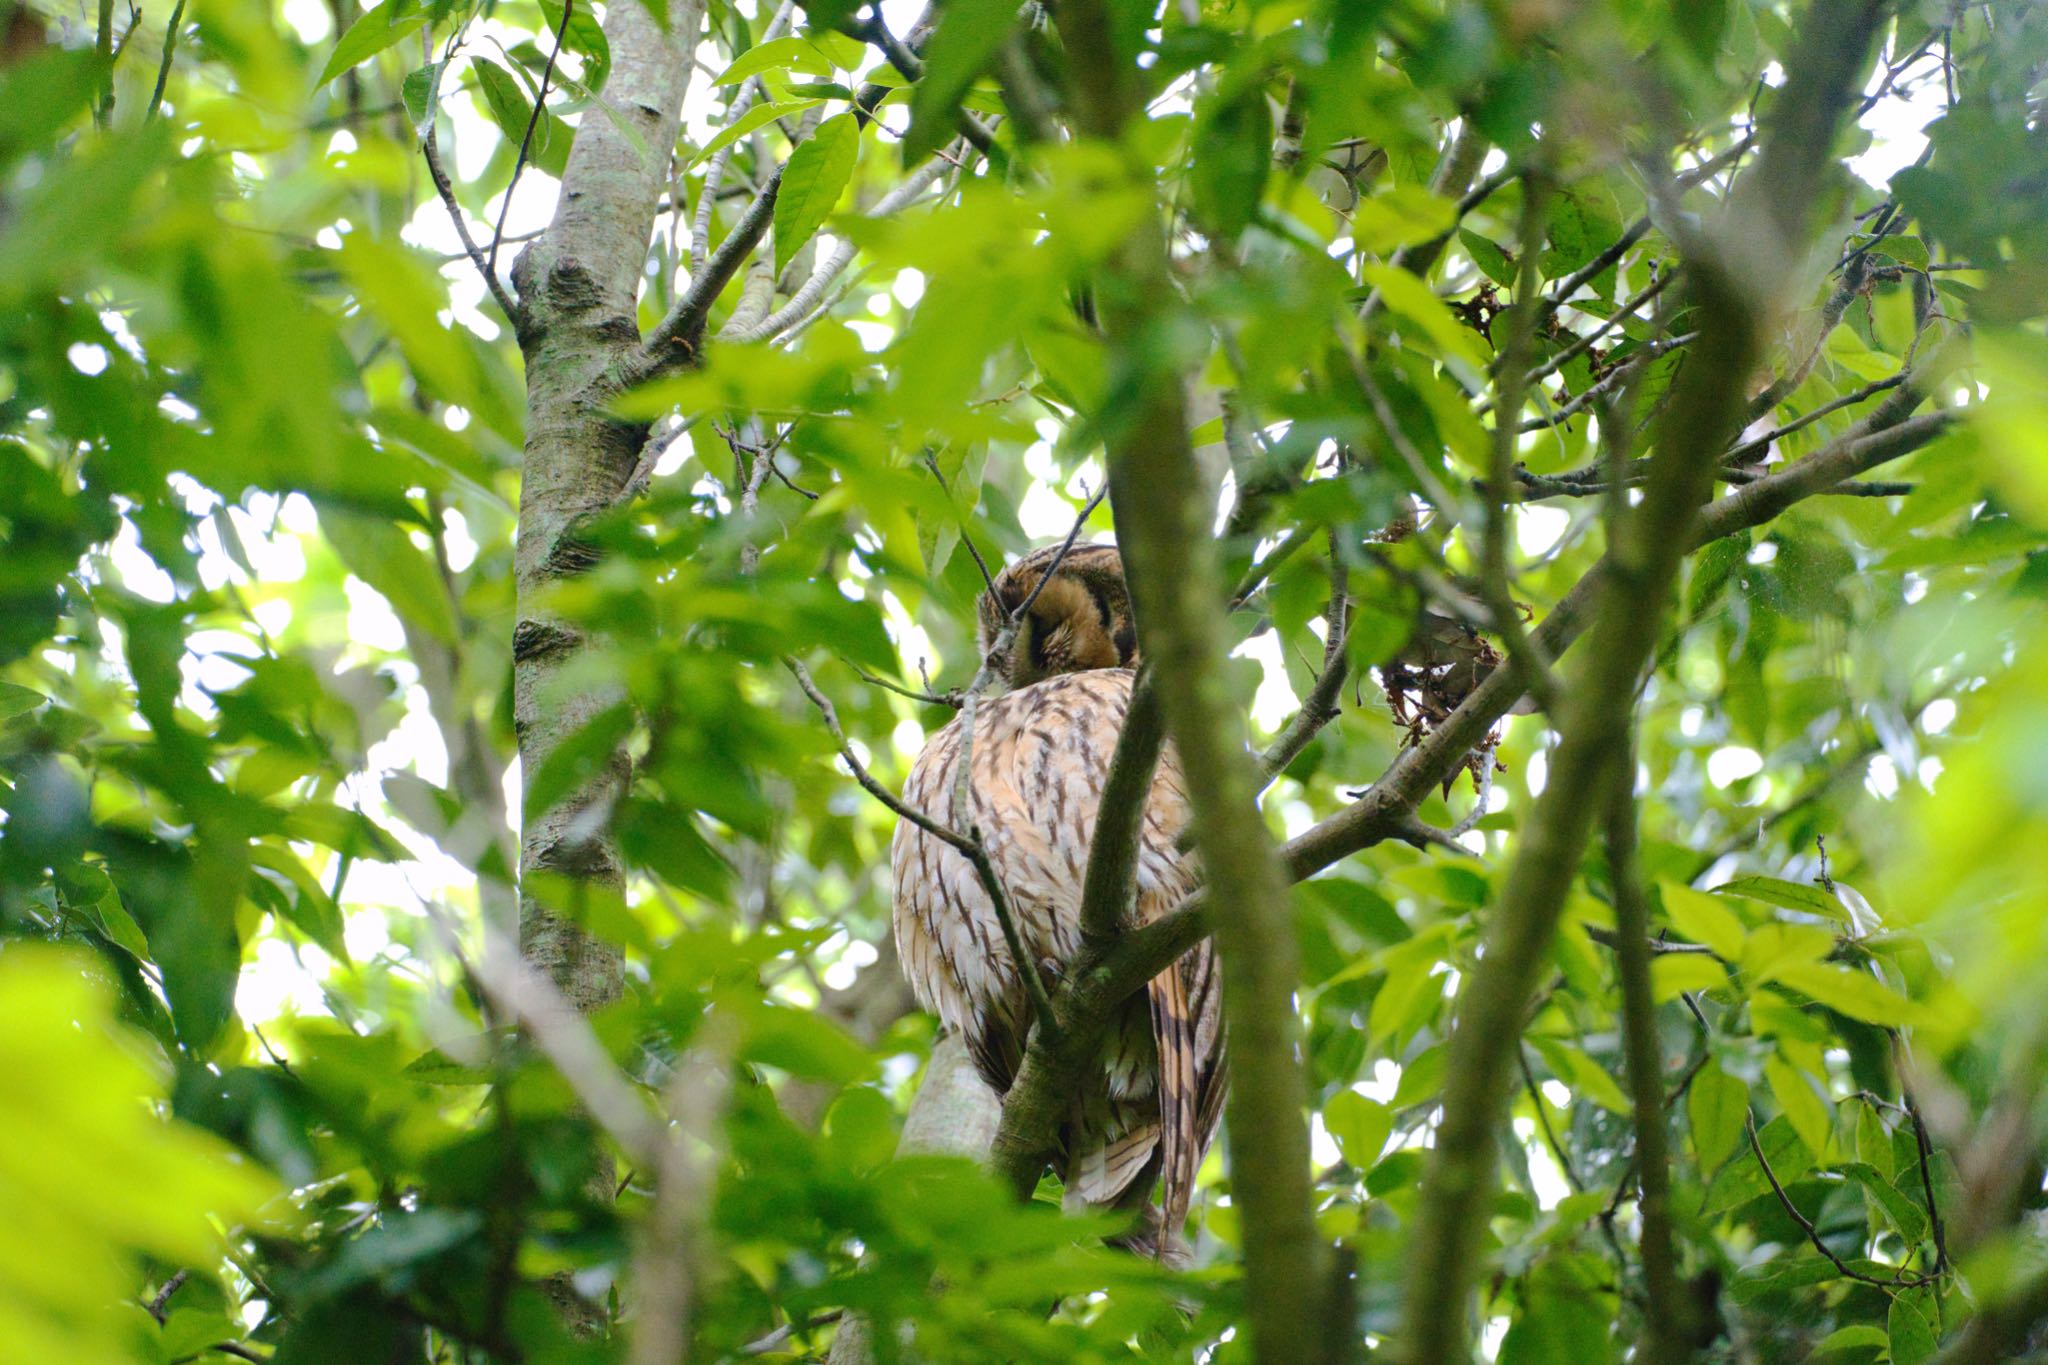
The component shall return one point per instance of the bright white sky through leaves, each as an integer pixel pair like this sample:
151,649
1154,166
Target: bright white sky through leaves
279,981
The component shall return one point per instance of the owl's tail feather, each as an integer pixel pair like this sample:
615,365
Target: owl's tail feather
1180,1144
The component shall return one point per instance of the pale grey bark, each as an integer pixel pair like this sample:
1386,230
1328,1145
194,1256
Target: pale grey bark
954,1114
578,286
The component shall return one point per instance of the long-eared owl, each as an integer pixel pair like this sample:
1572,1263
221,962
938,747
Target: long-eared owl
1041,753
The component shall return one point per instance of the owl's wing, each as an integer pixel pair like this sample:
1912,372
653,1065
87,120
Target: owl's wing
1185,1001
1173,1032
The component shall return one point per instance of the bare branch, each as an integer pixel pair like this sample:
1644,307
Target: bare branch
431,148
1109,886
714,174
1592,338
1323,702
1607,383
800,303
1667,1324
540,111
674,341
163,71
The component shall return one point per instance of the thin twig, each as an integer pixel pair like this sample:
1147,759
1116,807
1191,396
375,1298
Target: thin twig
1759,444
952,699
988,581
163,1295
540,109
431,147
1324,702
1258,573
1536,1101
163,71
1620,374
1806,1226
1592,338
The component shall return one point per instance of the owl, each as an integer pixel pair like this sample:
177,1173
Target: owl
1041,753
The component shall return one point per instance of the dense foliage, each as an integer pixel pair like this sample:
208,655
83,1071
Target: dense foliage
272,1083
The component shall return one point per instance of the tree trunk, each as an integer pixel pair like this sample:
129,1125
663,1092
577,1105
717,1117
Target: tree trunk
578,288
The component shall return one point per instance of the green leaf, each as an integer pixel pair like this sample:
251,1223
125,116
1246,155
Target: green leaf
505,98
376,30
17,700
584,35
417,91
400,1240
1856,1336
383,556
1912,1336
812,181
861,1127
1410,298
310,908
1232,154
1491,260
1771,950
1712,570
1742,1179
760,115
1586,1077
1360,1126
779,54
1785,895
1676,974
1407,215
189,1331
1408,995
1849,991
806,1045
968,34
1802,1103
1703,919
1422,1078
120,926
95,1176
1873,1139
1716,1105
579,759
1902,1212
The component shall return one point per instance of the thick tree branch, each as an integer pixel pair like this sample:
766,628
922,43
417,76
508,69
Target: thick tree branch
1531,666
1668,1335
1736,276
1099,984
1109,887
1164,515
675,340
